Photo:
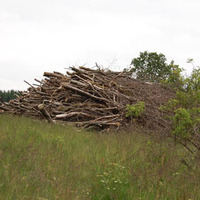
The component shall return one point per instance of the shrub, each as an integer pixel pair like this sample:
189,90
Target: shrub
175,80
136,110
185,113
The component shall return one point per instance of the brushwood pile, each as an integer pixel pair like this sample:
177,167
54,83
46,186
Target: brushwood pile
92,98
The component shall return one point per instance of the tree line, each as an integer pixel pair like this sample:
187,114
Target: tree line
6,96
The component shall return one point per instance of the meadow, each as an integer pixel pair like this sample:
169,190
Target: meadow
42,161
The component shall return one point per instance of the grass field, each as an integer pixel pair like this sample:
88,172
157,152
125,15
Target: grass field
42,161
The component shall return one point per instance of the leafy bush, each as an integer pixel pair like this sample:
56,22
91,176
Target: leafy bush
135,110
185,112
193,82
182,120
175,80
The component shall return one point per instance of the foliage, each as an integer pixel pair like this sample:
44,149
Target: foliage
6,96
175,80
185,109
150,66
135,110
183,121
193,82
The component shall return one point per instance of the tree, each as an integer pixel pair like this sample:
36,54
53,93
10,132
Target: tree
175,79
150,66
6,96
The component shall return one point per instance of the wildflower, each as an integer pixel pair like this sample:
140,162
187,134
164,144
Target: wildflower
175,174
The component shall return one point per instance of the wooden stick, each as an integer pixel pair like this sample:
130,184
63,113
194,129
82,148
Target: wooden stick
66,85
45,113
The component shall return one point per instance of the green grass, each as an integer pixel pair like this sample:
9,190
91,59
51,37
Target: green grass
42,161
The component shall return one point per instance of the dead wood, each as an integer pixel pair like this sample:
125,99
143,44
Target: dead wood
89,97
44,112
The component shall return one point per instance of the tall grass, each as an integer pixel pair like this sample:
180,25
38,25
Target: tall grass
43,161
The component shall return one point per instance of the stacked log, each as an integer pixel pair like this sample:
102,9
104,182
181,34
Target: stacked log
90,97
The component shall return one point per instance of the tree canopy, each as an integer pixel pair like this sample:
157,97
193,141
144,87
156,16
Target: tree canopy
150,66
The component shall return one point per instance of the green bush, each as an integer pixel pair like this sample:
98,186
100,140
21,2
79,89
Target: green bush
136,110
182,121
175,80
185,112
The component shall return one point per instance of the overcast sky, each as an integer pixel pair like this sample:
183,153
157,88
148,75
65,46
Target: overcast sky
51,35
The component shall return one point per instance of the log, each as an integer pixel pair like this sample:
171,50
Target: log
66,85
45,113
4,108
71,114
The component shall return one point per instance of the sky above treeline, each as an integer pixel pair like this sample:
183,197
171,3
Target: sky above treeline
51,35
